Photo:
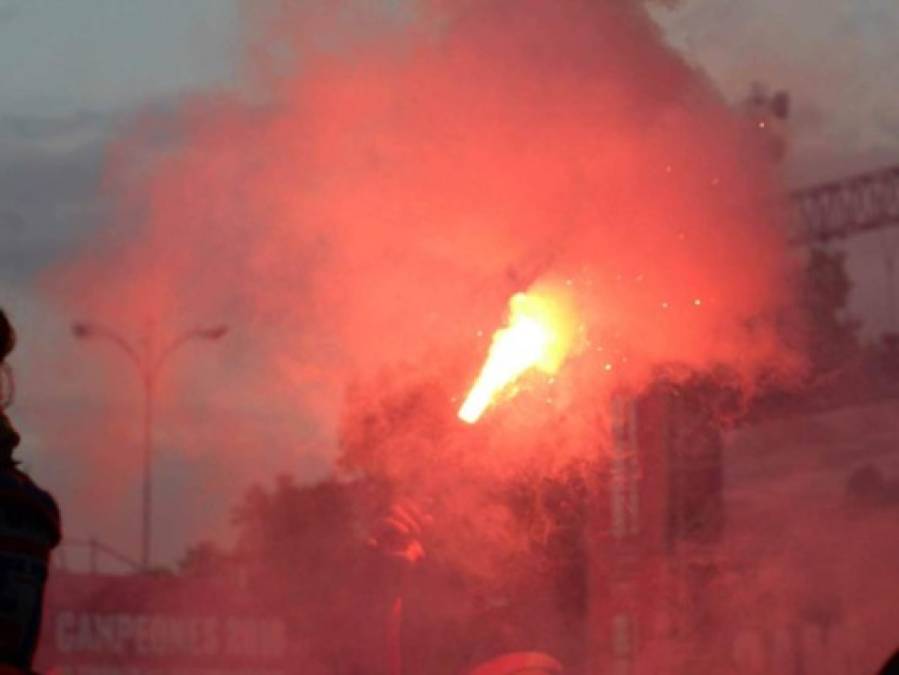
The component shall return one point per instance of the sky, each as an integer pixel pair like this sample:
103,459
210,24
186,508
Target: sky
75,73
837,59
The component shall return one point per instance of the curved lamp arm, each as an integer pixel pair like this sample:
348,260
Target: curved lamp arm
84,331
213,333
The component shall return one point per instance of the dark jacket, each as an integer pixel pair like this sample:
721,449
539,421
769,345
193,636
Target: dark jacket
29,530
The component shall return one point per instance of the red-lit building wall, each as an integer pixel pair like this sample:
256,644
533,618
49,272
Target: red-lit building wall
657,516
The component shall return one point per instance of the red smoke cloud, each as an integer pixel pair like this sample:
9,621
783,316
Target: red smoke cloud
365,209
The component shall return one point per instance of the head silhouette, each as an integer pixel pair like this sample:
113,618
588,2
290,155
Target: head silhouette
891,667
9,437
7,336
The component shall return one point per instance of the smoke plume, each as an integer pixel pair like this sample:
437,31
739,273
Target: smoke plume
360,209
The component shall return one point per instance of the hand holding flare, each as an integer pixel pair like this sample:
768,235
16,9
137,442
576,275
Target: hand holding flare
538,335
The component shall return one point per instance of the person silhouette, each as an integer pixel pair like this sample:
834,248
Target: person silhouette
399,535
29,531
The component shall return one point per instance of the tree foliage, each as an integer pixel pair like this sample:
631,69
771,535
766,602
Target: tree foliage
832,335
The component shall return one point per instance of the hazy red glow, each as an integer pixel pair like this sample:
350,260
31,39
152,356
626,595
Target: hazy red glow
374,207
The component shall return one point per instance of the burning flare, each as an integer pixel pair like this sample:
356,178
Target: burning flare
538,335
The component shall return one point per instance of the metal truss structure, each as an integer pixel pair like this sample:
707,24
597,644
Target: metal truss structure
846,207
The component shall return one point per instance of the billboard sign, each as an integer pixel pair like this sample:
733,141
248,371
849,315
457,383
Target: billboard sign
143,625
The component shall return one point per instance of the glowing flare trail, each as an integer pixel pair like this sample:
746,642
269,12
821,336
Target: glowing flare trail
538,335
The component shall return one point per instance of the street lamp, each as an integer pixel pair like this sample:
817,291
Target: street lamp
149,359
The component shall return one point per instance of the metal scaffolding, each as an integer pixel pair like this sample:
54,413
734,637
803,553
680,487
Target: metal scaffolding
846,207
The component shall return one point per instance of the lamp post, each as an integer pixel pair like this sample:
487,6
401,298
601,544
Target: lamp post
149,360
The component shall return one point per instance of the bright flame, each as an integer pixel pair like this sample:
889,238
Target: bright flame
538,335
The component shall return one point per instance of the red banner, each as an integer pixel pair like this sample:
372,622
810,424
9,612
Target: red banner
145,625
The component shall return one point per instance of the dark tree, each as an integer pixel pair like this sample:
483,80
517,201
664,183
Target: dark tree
206,560
302,553
831,333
